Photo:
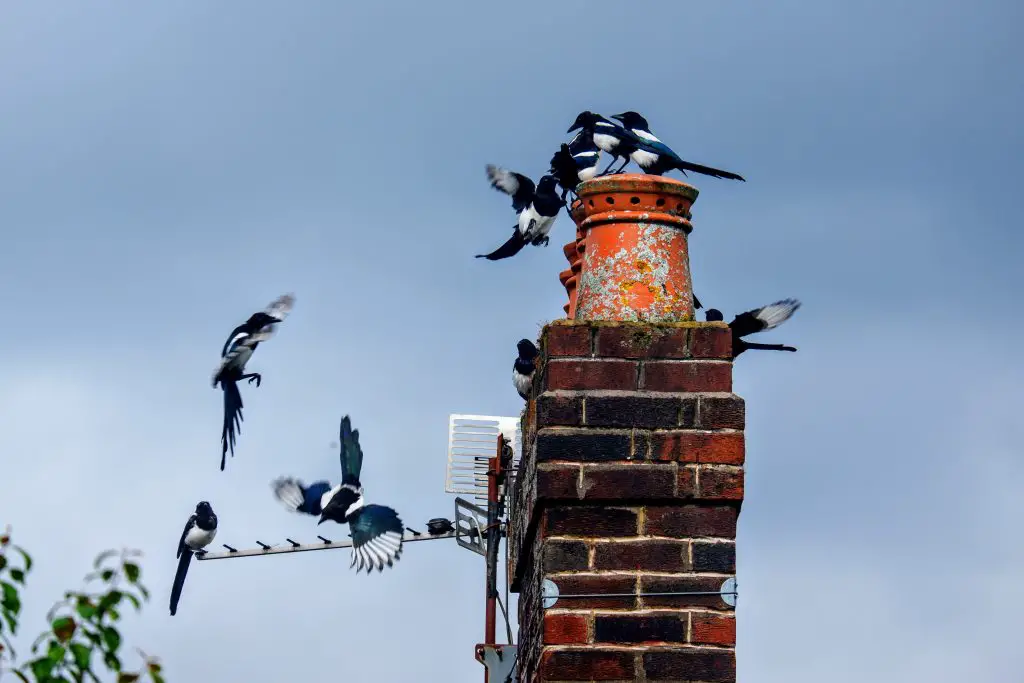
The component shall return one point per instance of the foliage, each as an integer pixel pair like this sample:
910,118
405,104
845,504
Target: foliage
83,629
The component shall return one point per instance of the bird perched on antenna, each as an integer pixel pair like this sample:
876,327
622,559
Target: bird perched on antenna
607,136
537,207
376,530
524,367
754,321
575,163
655,157
237,351
198,533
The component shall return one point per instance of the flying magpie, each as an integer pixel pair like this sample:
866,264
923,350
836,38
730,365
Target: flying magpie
609,137
655,157
575,163
537,206
198,533
376,530
237,350
757,320
524,367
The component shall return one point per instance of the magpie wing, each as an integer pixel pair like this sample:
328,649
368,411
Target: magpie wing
279,308
184,532
376,538
518,186
351,453
511,247
764,318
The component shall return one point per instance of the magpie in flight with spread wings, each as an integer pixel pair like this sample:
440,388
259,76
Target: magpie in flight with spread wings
608,136
237,350
575,162
376,530
524,367
655,157
758,320
198,533
537,207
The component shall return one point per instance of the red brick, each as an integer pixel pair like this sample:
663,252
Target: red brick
649,555
713,666
687,521
725,448
682,584
714,557
711,342
568,340
720,484
722,412
713,629
558,482
687,376
596,584
565,629
558,409
650,629
650,411
566,556
591,664
591,374
641,341
583,445
633,481
597,520
686,482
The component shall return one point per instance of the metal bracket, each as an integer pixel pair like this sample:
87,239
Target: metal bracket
728,591
500,661
550,593
471,526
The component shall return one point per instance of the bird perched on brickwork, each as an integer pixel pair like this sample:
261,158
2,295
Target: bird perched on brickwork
608,136
575,163
237,351
655,157
758,320
524,367
537,207
198,533
376,530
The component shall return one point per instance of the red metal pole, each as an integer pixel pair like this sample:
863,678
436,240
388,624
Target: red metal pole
493,541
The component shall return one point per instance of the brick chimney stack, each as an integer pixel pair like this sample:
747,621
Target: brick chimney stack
631,479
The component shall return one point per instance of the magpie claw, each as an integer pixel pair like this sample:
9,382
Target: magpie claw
256,378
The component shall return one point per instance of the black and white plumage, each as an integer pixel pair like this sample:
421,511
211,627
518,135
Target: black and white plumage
654,157
754,321
607,136
376,530
238,349
524,367
537,207
198,533
575,162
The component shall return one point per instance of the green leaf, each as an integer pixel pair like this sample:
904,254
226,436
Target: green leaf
42,667
85,608
107,574
134,600
56,653
127,677
64,628
22,676
132,571
112,662
82,654
18,575
25,556
3,561
111,637
101,558
10,600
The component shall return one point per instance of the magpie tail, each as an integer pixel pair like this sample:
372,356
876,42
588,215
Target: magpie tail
769,347
232,419
179,578
511,247
707,170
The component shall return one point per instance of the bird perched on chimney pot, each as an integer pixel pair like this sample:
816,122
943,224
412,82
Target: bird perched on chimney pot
575,163
524,367
655,157
198,533
537,207
608,136
237,351
376,530
757,320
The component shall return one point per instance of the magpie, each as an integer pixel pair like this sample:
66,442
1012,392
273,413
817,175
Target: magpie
655,157
524,367
237,350
198,533
757,320
537,206
609,137
376,530
575,163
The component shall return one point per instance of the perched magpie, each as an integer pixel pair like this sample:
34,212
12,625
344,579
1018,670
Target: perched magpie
376,530
237,350
524,367
609,137
575,163
757,320
537,206
655,157
198,533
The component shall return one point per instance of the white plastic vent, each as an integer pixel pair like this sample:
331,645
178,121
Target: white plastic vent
472,439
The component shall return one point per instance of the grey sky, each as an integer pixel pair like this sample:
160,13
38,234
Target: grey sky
167,169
